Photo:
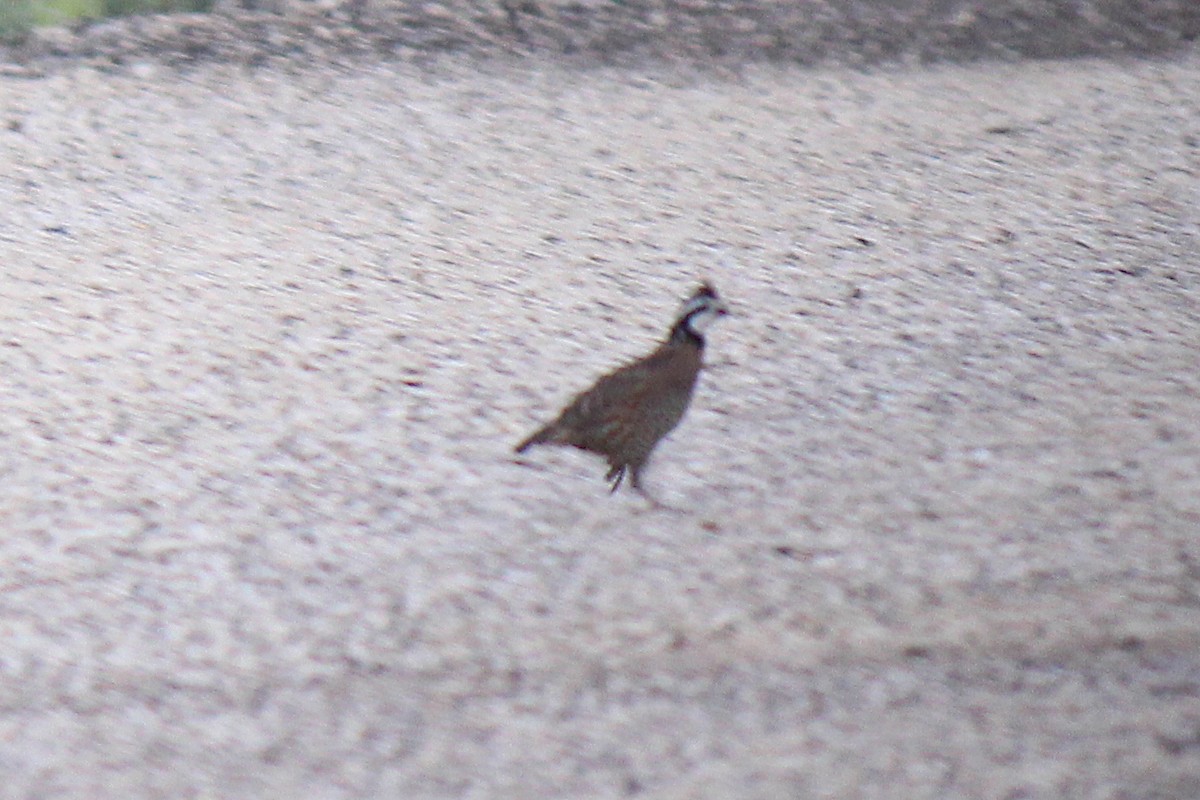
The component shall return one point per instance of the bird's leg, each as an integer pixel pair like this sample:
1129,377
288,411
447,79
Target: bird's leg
615,475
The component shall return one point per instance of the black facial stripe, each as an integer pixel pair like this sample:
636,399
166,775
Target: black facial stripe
683,326
700,309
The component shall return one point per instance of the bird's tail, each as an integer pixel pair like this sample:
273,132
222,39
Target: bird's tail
542,436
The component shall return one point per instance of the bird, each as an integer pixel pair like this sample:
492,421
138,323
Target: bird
626,412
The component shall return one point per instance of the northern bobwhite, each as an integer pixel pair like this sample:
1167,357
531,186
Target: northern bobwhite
625,414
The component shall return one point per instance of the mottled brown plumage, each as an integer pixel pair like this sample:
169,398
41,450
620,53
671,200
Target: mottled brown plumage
628,411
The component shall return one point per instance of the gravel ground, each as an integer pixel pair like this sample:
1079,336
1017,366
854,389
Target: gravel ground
270,334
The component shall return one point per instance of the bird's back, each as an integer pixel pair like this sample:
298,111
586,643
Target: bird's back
628,410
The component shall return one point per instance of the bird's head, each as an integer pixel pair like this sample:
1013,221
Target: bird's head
699,311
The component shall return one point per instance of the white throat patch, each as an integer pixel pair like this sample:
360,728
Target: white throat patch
705,316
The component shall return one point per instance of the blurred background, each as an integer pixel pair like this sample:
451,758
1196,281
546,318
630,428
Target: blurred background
853,32
18,17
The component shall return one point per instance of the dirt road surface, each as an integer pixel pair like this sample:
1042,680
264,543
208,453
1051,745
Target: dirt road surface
270,333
